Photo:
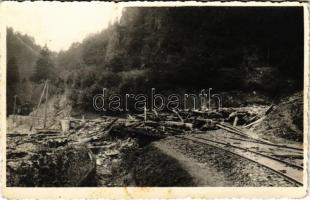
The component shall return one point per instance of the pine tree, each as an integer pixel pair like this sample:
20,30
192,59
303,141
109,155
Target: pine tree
44,68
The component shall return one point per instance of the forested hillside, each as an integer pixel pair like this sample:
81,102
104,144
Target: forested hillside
172,50
180,48
28,66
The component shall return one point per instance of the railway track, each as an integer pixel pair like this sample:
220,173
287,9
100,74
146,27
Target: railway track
291,172
241,133
255,152
291,157
269,144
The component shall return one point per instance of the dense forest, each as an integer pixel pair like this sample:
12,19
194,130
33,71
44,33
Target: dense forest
176,50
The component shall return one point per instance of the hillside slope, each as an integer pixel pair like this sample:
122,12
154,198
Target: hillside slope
24,50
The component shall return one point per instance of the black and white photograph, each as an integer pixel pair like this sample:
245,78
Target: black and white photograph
109,95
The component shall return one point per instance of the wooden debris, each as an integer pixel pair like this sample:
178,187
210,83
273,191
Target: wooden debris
269,109
156,113
235,121
178,124
179,116
255,122
130,117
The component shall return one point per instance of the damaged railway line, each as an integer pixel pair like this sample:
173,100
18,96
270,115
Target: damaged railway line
288,170
115,151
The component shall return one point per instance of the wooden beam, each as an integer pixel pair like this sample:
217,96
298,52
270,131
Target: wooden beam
35,111
46,101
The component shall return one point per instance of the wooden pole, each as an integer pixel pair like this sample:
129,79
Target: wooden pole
14,108
46,99
209,100
144,113
35,112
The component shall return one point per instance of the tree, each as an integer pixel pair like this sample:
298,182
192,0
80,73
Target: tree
12,72
12,83
44,68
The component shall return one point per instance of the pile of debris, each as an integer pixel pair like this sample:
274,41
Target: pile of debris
150,126
46,159
102,150
112,151
153,125
285,120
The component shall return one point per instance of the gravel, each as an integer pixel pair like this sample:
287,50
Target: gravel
239,171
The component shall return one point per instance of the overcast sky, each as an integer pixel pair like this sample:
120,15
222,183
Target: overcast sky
58,24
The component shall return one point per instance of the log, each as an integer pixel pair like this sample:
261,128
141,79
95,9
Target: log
236,120
179,116
252,119
178,124
151,123
269,109
255,122
262,118
131,118
133,124
198,112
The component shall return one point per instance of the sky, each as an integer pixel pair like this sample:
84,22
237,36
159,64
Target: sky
57,25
